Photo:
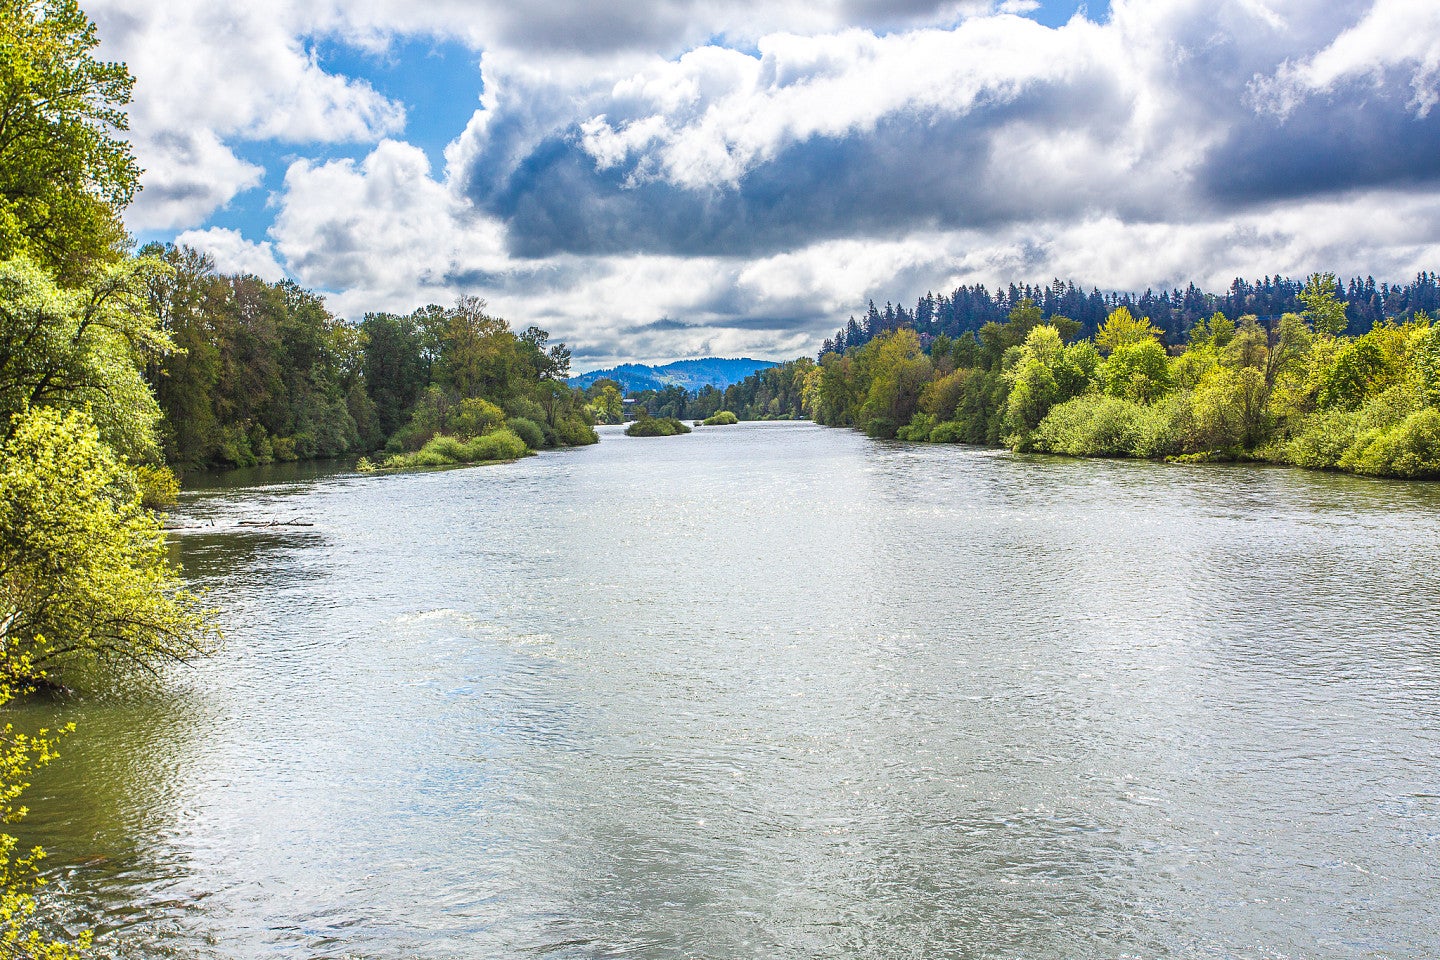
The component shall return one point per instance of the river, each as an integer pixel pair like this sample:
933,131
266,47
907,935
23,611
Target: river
778,691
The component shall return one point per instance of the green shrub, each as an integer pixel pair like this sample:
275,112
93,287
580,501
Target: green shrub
948,432
1091,425
918,429
1342,439
656,427
1159,430
723,418
159,487
881,428
573,432
529,431
445,451
234,447
475,417
1410,449
502,444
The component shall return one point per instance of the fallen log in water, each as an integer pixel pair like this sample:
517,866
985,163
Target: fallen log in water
252,524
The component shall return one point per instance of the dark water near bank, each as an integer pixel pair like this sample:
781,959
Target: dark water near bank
780,691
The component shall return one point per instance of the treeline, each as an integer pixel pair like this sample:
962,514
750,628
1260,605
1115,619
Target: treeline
968,308
263,372
1295,389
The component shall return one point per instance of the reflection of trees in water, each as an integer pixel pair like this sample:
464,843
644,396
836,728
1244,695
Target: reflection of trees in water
244,557
114,818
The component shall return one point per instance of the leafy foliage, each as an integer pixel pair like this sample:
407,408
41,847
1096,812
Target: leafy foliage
81,348
498,446
20,756
85,586
65,168
265,372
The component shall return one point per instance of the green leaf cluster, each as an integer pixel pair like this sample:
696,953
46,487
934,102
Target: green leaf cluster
85,583
65,168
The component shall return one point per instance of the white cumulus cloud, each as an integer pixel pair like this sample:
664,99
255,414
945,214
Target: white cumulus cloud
233,254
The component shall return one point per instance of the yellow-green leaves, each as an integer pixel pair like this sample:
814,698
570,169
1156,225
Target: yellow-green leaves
1323,309
84,578
1121,328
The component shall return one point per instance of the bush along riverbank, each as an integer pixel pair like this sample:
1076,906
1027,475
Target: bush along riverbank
1294,390
482,434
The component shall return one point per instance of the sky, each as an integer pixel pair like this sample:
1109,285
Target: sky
665,179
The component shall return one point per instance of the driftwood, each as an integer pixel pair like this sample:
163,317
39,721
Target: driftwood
210,524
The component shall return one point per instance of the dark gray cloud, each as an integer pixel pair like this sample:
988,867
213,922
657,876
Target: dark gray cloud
672,26
911,171
1362,135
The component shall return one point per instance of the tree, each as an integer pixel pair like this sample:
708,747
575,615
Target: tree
1136,371
1324,310
1425,350
606,404
64,170
548,362
84,576
896,370
395,366
1122,328
81,348
477,352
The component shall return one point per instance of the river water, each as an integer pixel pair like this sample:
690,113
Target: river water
778,691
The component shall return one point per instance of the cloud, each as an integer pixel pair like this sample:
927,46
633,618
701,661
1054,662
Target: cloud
724,153
225,74
1151,116
674,177
188,175
1394,40
382,225
233,254
211,75
385,233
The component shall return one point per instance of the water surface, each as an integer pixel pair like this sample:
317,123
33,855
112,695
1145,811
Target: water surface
779,691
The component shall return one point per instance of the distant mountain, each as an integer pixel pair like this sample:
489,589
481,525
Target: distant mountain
690,374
